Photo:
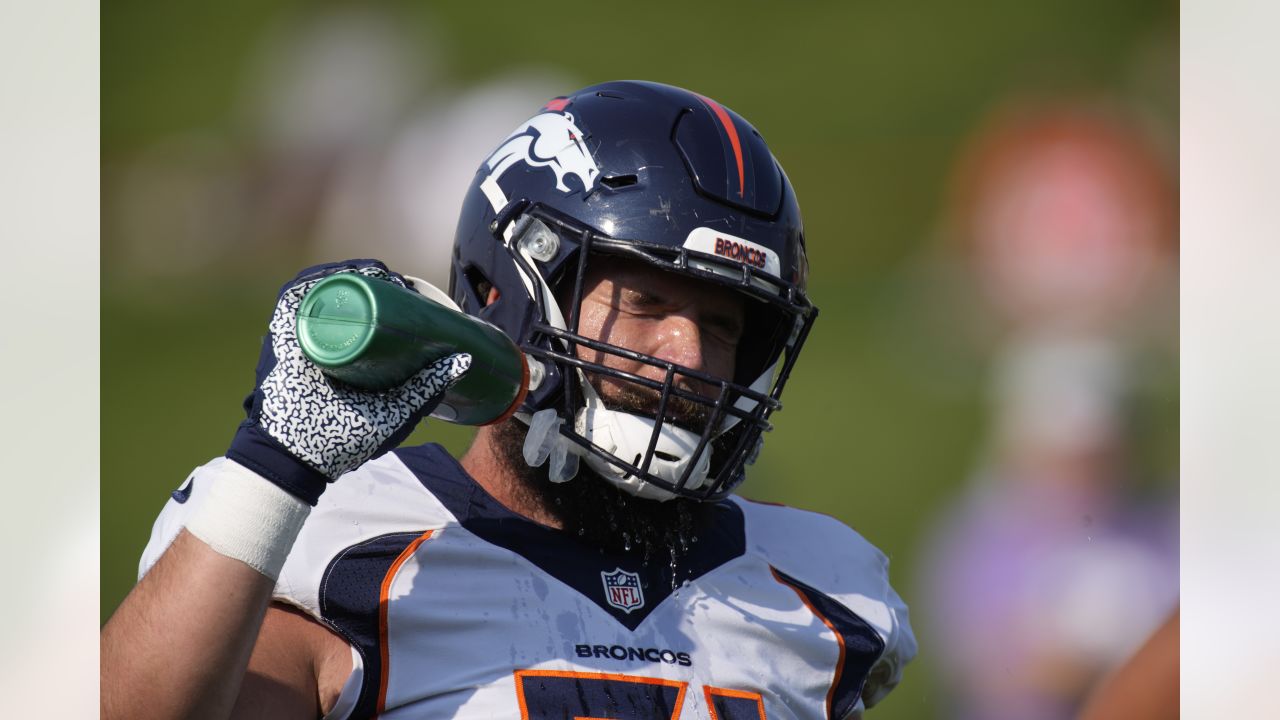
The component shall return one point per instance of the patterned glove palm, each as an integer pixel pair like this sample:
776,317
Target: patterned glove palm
303,430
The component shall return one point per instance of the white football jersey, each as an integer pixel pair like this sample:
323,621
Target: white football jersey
455,607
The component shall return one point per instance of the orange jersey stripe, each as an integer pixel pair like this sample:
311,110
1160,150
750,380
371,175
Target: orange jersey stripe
835,681
384,600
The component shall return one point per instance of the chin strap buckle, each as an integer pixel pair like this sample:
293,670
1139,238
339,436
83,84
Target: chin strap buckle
544,441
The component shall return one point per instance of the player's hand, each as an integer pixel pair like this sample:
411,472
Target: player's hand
302,429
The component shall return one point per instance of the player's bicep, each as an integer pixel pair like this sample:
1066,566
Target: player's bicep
292,659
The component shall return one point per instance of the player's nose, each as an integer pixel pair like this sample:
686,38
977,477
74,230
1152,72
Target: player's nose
682,341
679,340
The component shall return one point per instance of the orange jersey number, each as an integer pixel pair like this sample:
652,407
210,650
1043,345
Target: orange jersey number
546,694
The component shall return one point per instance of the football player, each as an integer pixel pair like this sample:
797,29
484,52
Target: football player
587,556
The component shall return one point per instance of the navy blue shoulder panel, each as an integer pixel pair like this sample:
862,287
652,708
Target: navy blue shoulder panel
561,554
862,645
350,591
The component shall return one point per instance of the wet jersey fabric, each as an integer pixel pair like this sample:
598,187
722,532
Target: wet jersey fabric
456,607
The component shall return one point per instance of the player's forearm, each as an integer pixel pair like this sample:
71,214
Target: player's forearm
179,644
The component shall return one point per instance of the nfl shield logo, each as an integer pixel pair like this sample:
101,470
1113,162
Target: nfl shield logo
622,590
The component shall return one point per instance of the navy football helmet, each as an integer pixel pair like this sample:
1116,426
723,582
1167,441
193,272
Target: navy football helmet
668,178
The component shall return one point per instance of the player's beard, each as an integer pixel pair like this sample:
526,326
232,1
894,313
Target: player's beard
596,511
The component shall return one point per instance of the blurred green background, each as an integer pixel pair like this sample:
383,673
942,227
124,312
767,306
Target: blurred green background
866,105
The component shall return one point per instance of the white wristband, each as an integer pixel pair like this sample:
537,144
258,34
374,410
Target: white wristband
246,517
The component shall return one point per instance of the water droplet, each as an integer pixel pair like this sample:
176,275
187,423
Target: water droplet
582,531
694,538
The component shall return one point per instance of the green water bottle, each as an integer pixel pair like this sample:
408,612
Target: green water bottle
373,335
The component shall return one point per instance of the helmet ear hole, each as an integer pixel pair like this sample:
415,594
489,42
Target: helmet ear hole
480,290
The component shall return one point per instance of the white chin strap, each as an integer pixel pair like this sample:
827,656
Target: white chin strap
621,434
626,436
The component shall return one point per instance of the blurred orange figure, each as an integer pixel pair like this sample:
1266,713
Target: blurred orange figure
1066,211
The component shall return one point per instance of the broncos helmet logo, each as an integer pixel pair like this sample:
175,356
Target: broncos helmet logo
549,139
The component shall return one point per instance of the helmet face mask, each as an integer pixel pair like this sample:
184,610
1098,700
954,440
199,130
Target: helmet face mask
536,250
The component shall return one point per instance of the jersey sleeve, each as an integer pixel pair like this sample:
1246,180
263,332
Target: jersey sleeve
381,498
333,571
173,516
828,556
900,648
370,507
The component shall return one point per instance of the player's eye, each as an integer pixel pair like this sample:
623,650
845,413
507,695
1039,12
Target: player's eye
640,300
725,328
